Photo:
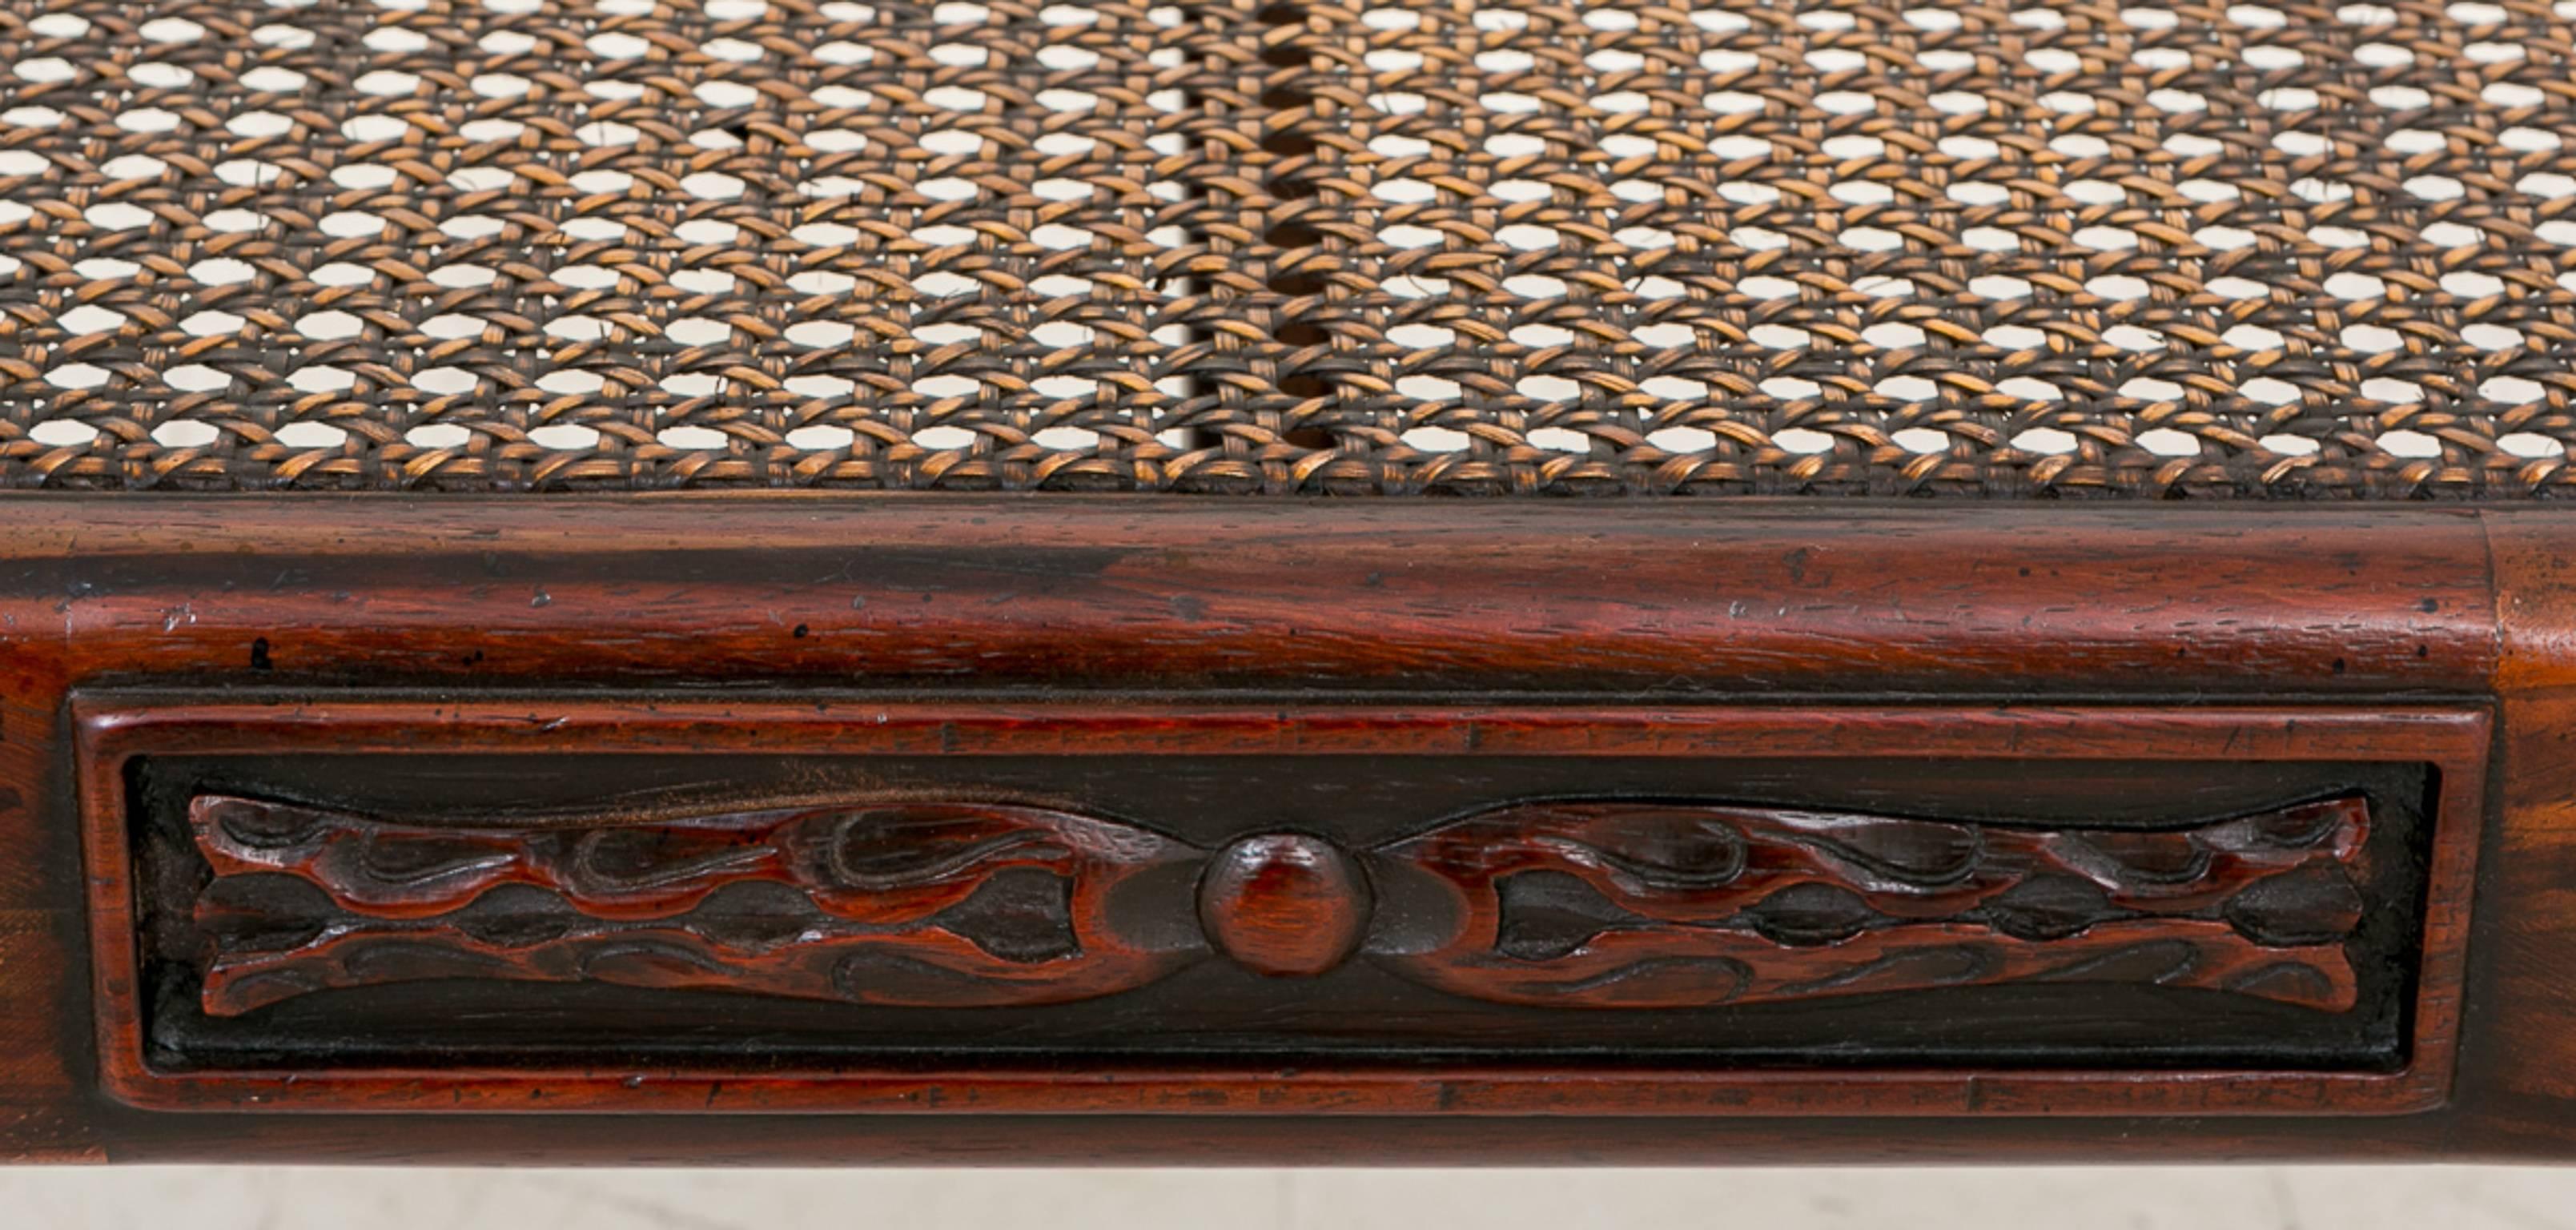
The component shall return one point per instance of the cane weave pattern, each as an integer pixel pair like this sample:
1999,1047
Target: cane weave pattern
1229,246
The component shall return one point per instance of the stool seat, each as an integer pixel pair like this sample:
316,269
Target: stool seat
846,582
1417,247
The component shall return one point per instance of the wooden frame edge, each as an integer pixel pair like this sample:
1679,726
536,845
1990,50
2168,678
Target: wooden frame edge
110,727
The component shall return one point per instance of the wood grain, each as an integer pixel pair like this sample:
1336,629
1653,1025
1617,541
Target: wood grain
1125,594
953,904
1563,904
2199,870
1993,634
1286,905
1666,905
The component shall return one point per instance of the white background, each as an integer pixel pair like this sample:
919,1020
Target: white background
2139,1198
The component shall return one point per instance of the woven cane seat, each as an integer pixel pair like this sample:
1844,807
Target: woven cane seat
1414,247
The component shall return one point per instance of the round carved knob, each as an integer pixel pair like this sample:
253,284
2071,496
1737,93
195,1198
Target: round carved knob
1284,904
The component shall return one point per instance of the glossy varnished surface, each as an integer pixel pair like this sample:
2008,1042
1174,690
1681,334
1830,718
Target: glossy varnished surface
1576,596
2036,609
2056,1036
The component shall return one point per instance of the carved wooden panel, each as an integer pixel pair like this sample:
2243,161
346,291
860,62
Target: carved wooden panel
886,903
1623,905
741,905
1556,904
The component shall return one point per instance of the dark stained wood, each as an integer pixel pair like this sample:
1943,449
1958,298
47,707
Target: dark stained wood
120,729
1356,801
1285,905
1565,597
2524,945
1632,905
917,904
2035,633
1560,904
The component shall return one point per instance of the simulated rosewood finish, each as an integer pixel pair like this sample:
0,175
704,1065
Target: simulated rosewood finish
1563,904
954,905
1986,751
1284,904
1991,634
1618,905
1182,599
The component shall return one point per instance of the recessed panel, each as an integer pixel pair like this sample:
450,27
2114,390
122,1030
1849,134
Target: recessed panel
1453,902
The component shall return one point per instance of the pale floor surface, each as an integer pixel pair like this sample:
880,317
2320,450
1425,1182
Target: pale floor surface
2198,1198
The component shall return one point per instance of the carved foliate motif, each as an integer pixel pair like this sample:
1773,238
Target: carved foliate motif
948,905
1686,905
1558,904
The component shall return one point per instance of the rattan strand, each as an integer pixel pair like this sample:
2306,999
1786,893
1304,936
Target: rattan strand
1420,247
